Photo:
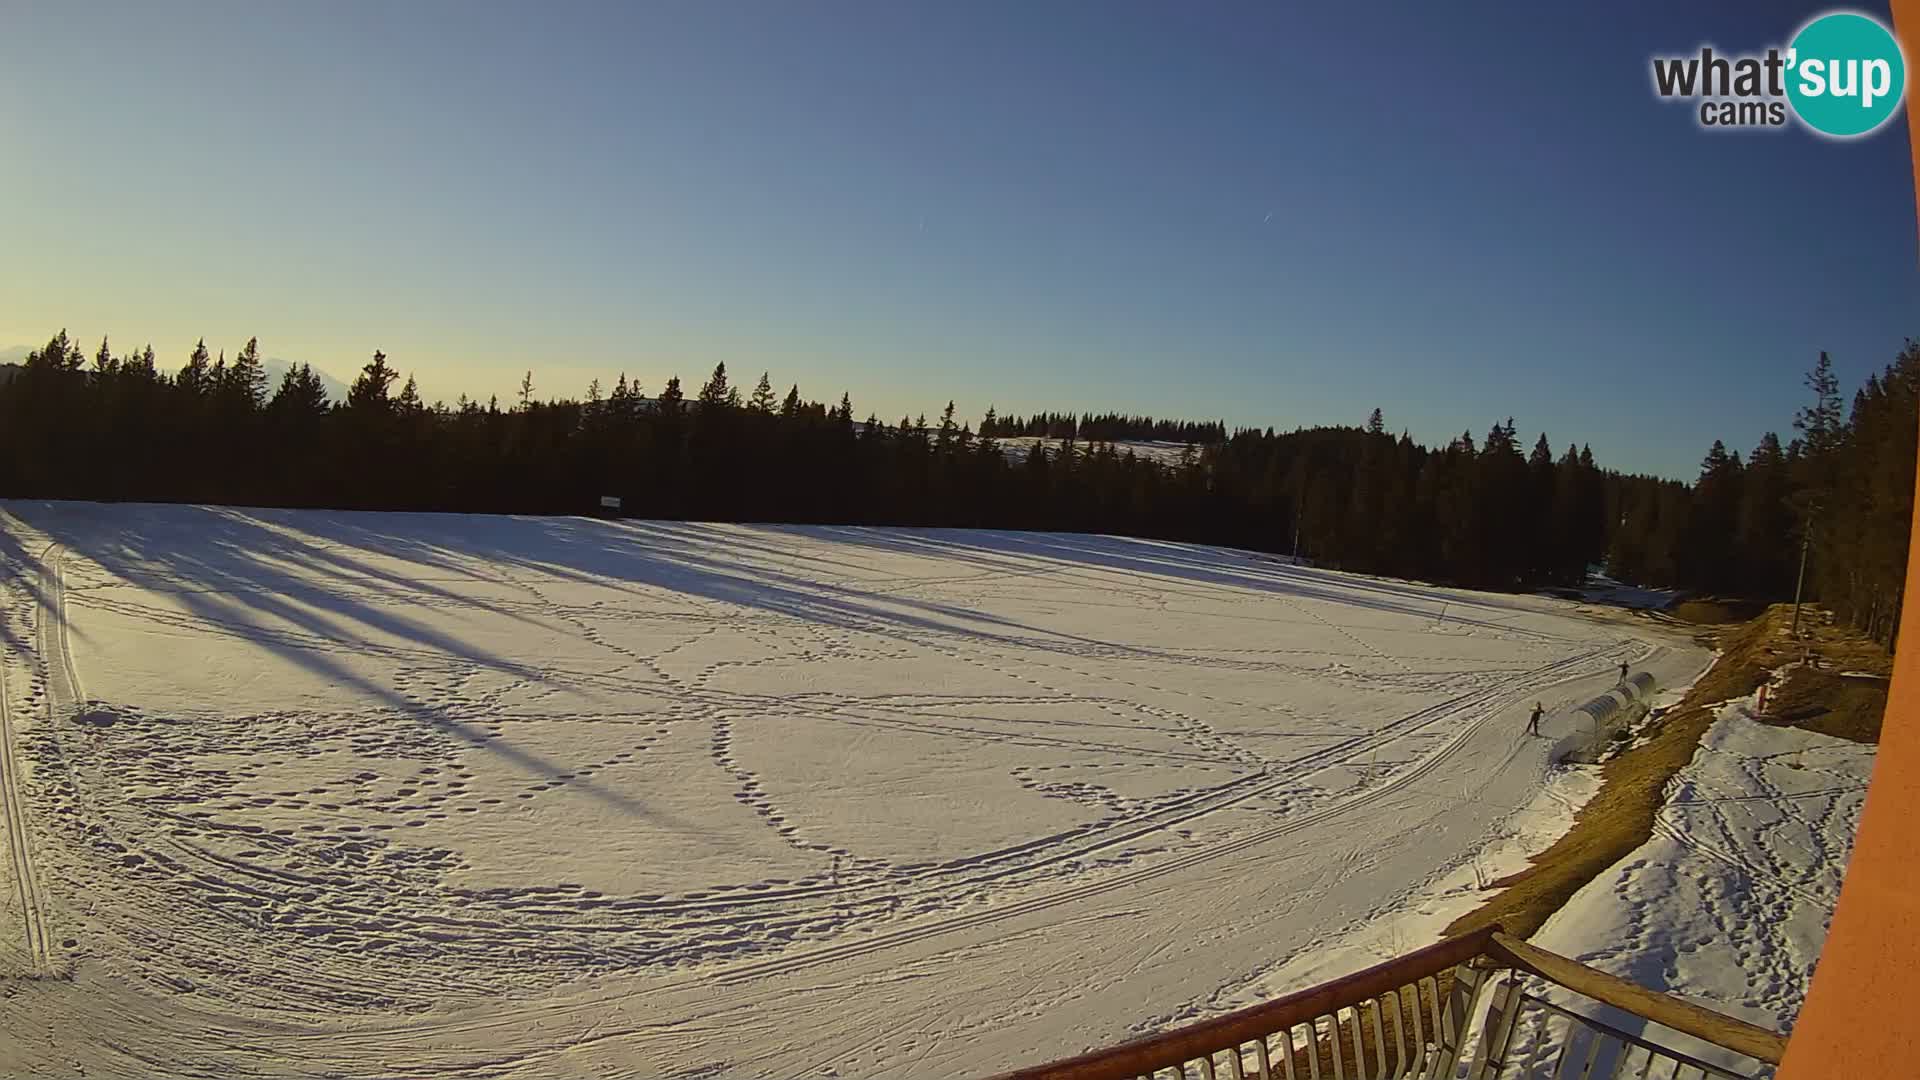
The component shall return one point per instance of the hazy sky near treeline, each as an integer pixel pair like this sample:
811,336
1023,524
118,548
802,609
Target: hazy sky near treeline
1267,213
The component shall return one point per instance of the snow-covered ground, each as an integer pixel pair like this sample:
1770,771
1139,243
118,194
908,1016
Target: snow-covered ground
1729,903
1602,589
356,794
1017,447
1421,918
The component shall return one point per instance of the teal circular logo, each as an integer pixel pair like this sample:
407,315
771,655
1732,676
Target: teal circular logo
1845,74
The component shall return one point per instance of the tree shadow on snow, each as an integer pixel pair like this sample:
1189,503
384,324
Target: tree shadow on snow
1148,560
21,567
304,603
312,584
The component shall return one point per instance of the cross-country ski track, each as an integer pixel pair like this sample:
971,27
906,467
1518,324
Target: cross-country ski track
27,916
361,794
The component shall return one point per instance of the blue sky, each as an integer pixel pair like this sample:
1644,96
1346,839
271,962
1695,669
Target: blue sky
1268,213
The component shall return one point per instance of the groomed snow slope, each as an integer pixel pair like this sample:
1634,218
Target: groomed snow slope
357,794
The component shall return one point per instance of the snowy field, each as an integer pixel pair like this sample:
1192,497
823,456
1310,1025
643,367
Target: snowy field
353,794
1729,903
1017,447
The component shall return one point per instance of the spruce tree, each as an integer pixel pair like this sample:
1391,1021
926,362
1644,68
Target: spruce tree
140,365
244,388
1712,523
1542,456
714,394
1819,424
301,395
1764,533
943,442
369,392
762,400
1571,548
53,355
672,401
623,404
194,378
988,445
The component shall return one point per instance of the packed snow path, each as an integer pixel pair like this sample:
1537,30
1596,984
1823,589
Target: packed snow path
316,793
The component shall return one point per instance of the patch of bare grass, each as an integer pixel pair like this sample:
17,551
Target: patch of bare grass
1619,818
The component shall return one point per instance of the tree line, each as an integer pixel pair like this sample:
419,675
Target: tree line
1106,427
1491,512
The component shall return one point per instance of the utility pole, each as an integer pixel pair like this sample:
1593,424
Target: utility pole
1806,541
1299,511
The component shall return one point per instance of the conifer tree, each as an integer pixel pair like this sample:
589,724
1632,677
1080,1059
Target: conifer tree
244,387
1820,432
54,356
1571,554
370,392
195,378
672,401
987,445
623,404
1712,523
408,403
1765,531
762,400
714,394
943,441
301,395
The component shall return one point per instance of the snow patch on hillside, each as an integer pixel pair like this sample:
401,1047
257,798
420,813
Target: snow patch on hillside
1729,903
1017,447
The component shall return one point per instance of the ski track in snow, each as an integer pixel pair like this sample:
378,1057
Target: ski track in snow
453,795
28,914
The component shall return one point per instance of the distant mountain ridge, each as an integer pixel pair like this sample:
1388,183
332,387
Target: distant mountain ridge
276,369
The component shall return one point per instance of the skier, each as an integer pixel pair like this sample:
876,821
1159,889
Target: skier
1623,671
1533,722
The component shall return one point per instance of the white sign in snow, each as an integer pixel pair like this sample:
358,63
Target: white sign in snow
610,502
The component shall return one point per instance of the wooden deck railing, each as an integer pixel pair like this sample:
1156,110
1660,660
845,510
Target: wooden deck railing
1419,1016
1682,1016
